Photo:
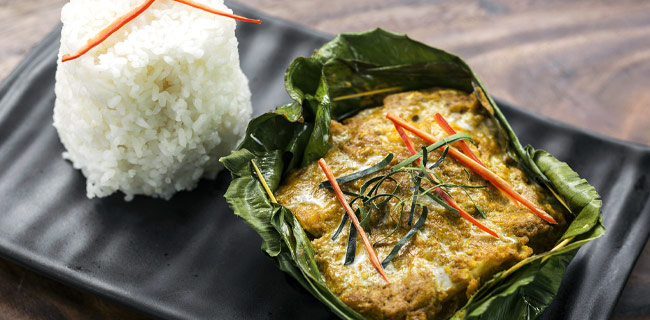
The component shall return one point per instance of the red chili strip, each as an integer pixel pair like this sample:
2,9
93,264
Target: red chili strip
480,170
134,13
106,32
337,190
217,12
449,130
440,192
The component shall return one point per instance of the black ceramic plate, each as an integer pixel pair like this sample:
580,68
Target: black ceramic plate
192,258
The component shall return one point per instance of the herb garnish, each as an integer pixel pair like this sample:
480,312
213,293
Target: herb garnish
406,238
337,190
369,199
434,179
497,181
376,168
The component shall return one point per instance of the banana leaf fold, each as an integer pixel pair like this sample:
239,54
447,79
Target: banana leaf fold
297,133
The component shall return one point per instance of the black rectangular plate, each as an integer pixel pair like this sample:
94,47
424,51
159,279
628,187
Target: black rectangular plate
192,258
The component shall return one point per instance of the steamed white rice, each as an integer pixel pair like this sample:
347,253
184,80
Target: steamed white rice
151,109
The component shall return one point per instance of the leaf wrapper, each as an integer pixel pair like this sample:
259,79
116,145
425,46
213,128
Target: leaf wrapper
297,133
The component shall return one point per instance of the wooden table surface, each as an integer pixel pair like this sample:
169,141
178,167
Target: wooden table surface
586,63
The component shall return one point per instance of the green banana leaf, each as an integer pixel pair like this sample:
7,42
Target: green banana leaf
297,133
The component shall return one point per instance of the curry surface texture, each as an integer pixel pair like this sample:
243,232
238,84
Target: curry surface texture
448,259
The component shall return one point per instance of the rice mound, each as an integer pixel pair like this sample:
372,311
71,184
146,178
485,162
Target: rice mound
151,109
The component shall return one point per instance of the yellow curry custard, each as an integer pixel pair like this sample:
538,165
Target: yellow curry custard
448,259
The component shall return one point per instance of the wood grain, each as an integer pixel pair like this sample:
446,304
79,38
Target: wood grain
582,62
22,24
586,63
25,295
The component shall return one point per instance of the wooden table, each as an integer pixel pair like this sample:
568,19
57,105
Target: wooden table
586,63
